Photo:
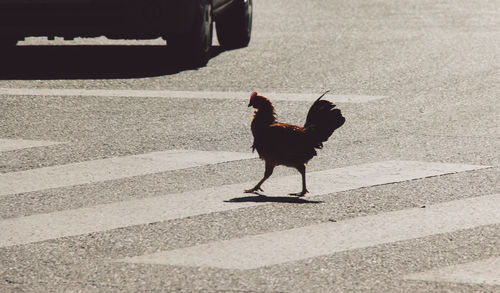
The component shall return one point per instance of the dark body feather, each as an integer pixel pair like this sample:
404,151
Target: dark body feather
282,143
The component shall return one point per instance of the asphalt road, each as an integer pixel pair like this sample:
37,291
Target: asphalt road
433,67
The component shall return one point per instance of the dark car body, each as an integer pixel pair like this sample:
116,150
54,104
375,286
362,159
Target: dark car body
115,19
187,25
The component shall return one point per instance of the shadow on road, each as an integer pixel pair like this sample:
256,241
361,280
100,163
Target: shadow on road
278,199
90,62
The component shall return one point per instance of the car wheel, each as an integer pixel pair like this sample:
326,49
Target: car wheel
194,47
235,26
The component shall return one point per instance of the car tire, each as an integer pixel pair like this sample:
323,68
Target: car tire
234,27
194,48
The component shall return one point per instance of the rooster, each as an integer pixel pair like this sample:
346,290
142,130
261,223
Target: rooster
290,145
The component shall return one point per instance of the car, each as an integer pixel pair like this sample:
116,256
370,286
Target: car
186,25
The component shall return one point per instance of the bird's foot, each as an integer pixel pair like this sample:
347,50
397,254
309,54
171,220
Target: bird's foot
253,190
299,194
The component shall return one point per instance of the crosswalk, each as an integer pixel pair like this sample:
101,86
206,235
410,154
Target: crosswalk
110,169
256,251
218,95
481,272
17,144
173,206
250,252
296,244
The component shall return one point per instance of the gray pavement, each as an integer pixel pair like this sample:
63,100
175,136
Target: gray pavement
435,65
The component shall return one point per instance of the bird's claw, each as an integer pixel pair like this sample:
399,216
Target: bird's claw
253,190
299,194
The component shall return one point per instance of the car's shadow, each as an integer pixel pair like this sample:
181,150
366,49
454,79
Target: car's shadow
90,62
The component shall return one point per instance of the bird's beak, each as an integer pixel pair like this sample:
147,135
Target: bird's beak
250,104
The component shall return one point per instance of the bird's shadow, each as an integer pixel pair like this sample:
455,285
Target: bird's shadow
258,197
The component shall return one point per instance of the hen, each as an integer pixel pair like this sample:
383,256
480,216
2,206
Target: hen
290,145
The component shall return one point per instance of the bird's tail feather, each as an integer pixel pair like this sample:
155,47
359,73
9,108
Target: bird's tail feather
322,120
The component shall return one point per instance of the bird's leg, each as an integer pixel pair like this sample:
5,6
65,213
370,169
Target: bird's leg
302,170
267,173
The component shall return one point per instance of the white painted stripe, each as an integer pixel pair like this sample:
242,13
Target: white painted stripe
16,144
110,169
185,94
173,206
103,41
328,238
485,271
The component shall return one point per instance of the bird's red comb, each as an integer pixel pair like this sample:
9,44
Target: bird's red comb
253,95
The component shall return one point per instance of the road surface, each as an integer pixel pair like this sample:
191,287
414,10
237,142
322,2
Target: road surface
121,171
